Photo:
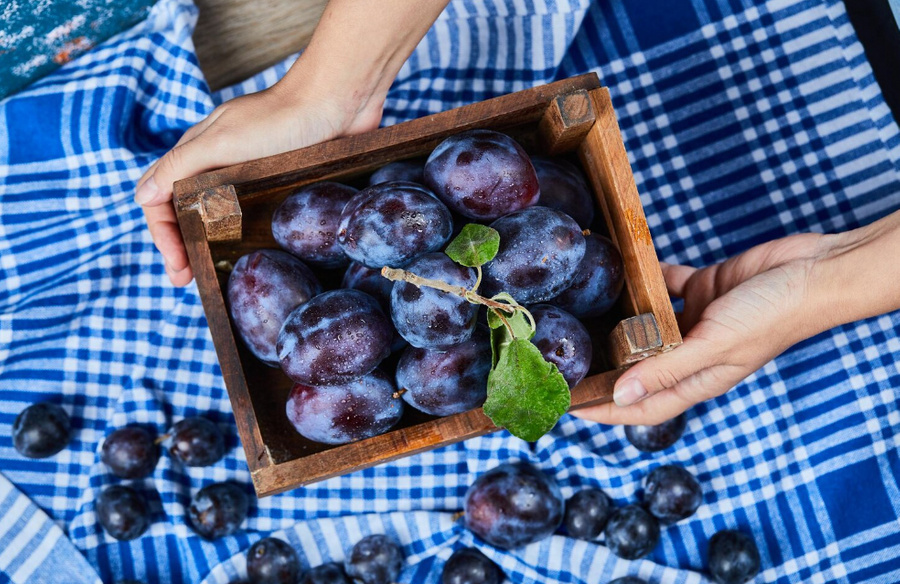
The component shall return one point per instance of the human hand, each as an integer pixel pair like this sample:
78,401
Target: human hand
737,316
261,124
336,88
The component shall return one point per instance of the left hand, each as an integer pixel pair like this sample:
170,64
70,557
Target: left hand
275,120
738,315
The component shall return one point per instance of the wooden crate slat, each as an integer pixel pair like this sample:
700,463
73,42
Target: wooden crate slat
603,157
278,478
194,233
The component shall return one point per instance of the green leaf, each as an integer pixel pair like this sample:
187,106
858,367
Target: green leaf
500,335
500,339
521,326
526,394
475,245
518,321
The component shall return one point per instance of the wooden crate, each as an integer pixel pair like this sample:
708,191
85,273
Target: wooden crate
227,213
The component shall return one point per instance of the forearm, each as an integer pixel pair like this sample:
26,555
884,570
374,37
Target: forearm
859,277
359,47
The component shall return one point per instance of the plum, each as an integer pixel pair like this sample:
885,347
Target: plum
563,188
482,175
336,337
306,223
338,414
540,251
513,505
263,288
390,224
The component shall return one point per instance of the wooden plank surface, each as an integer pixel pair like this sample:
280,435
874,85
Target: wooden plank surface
605,161
295,473
566,122
634,339
194,233
237,38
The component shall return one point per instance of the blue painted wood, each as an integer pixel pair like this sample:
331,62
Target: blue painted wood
37,36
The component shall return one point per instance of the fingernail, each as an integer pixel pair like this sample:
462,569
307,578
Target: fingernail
147,192
629,392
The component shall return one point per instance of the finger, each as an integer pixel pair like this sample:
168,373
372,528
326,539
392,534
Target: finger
147,174
187,159
181,278
670,402
664,370
677,277
656,409
190,134
166,235
199,127
190,156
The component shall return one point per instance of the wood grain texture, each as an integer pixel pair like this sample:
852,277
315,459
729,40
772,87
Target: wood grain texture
219,210
236,39
194,233
634,339
566,122
603,157
280,458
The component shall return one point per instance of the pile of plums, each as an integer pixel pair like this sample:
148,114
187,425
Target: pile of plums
333,343
44,429
515,504
131,452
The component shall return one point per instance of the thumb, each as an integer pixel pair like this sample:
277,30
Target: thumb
664,370
187,159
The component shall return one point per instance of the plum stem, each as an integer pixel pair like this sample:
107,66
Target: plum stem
505,323
477,279
401,275
510,307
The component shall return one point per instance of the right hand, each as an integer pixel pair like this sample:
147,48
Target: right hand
738,315
272,121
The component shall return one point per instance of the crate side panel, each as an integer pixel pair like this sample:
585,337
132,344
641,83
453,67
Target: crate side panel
604,159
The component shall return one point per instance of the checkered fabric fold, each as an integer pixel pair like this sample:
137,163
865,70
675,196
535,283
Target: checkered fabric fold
744,121
32,547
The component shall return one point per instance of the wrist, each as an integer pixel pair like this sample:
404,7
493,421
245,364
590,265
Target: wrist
354,55
856,275
348,98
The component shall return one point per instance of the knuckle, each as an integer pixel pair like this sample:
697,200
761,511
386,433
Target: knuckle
665,378
173,160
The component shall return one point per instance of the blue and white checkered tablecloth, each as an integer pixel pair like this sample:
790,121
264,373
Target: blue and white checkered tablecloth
745,121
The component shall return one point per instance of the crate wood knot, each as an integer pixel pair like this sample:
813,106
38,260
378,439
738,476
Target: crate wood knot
219,210
638,225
